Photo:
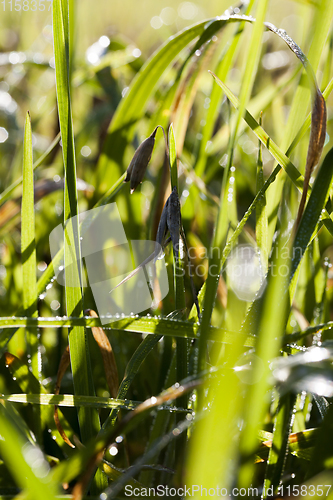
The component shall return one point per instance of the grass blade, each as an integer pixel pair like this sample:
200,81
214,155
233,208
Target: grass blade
28,248
261,213
29,265
21,458
80,360
269,339
179,287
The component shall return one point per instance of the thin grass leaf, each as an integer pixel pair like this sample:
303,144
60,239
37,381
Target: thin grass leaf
278,451
186,93
29,264
323,451
275,151
258,103
269,339
71,401
261,213
283,419
48,274
64,364
316,144
312,215
80,361
132,105
313,210
93,452
144,325
301,444
179,286
132,369
320,24
28,249
127,424
265,139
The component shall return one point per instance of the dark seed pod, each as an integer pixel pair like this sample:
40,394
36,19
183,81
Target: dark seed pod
138,166
173,219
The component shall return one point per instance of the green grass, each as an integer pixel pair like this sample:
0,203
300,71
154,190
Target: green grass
241,398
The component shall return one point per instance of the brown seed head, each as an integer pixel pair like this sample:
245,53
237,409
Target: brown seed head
138,166
173,219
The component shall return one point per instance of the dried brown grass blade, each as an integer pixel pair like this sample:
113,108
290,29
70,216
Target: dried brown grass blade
109,360
316,144
64,364
168,395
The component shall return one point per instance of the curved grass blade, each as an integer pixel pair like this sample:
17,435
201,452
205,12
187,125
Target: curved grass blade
132,105
126,424
320,22
64,364
316,144
273,148
313,210
20,456
309,221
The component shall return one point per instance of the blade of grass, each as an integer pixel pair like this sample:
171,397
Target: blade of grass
29,264
132,105
80,360
70,401
25,461
309,221
269,339
261,213
303,237
143,325
48,274
321,457
179,287
321,25
28,249
258,103
273,148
